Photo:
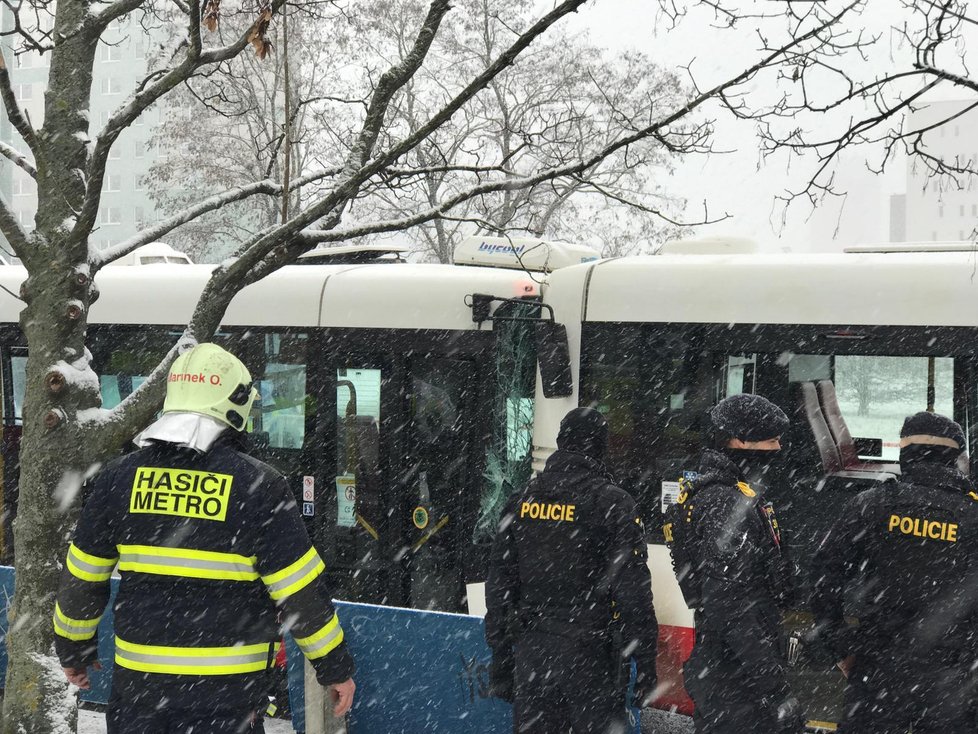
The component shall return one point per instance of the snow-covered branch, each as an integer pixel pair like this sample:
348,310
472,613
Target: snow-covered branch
12,230
119,424
193,60
19,159
14,113
266,187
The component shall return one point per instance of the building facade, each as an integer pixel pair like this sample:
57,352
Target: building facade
120,64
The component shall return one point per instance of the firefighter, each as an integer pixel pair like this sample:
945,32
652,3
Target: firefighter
569,595
210,547
904,554
726,551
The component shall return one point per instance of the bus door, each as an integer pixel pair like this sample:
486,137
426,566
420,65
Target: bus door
435,501
394,505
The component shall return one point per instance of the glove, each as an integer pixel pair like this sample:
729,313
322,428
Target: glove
791,719
501,678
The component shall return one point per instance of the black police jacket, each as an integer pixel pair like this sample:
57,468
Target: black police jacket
212,553
904,555
570,559
741,572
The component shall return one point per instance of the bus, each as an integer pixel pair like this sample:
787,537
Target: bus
406,402
847,344
399,415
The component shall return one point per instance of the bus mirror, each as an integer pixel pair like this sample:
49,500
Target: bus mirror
553,355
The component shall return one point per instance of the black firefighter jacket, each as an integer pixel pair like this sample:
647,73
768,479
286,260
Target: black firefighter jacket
907,553
737,565
570,558
211,551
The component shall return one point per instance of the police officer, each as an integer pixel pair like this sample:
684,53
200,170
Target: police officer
726,549
210,547
905,554
569,594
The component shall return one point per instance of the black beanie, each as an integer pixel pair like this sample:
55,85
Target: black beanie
930,437
584,431
749,418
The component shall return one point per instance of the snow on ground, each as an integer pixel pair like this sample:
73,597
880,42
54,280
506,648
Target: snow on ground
661,722
93,722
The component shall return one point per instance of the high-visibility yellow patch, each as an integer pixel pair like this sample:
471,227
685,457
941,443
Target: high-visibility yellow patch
745,489
921,528
548,511
182,492
667,532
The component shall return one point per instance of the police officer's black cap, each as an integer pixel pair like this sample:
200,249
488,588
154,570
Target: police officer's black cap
584,431
933,430
749,418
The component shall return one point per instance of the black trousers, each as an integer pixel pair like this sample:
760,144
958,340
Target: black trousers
149,716
889,696
726,700
564,685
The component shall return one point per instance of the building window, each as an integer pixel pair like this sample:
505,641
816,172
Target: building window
20,186
138,217
960,234
23,91
138,183
114,153
961,210
112,182
974,210
139,149
111,53
111,85
110,215
940,211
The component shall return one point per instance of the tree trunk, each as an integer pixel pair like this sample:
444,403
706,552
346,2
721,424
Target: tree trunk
53,455
52,464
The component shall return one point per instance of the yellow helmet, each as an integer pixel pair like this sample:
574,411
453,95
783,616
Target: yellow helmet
210,381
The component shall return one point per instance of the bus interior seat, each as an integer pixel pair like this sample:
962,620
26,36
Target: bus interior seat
808,407
822,485
842,436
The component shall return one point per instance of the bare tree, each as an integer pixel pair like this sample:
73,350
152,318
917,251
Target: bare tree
534,114
868,87
66,432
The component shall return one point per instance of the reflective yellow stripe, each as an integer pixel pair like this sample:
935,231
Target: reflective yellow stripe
323,641
194,660
186,562
294,577
74,629
87,567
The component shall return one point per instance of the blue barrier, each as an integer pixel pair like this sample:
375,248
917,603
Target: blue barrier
416,670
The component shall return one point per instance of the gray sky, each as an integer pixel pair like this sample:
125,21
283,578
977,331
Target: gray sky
739,183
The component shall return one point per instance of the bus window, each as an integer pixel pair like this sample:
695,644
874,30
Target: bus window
876,393
281,412
360,521
508,457
18,370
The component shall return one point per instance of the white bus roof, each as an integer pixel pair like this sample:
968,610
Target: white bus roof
408,296
910,289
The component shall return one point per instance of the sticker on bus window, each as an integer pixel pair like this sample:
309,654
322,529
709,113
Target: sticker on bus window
308,509
308,489
346,501
670,494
